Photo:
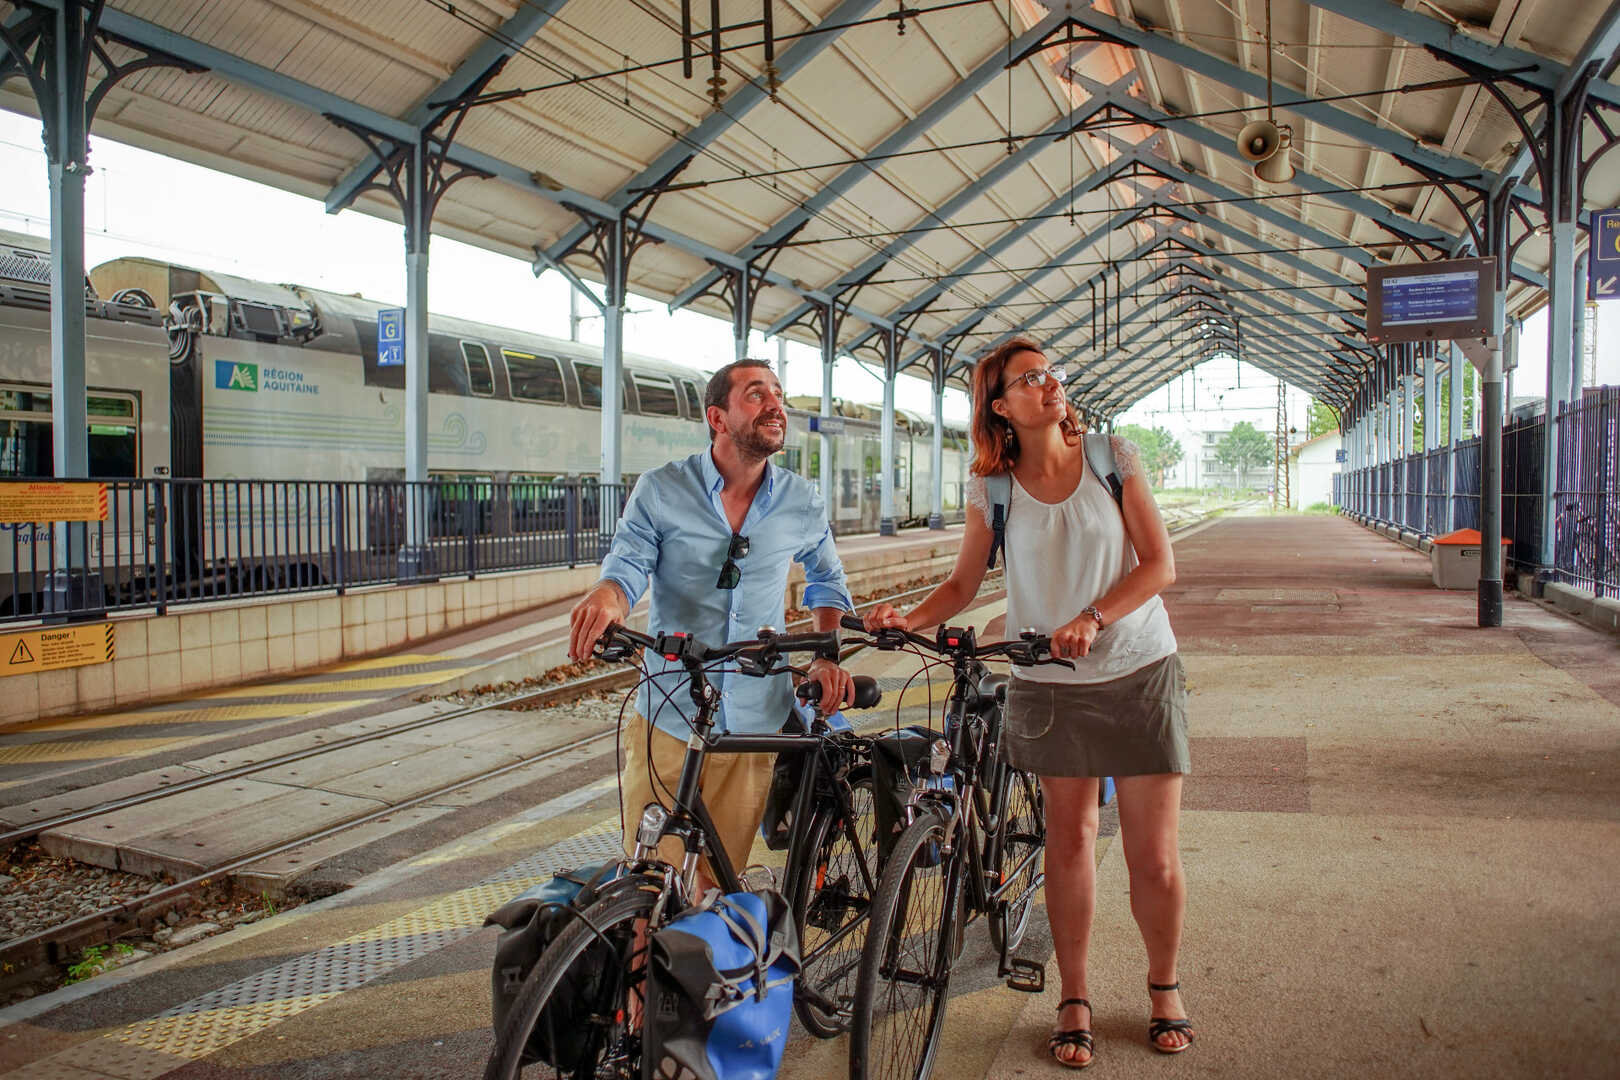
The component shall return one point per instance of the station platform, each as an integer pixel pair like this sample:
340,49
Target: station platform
1398,836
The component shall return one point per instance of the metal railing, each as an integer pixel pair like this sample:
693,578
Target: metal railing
1586,529
1410,493
175,541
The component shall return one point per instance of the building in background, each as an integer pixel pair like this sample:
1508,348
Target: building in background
1311,466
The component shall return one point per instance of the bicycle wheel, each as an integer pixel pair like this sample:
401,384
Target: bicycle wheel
1015,854
592,979
832,902
906,964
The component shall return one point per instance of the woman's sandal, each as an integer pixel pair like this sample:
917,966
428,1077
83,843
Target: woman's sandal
1163,1025
1077,1037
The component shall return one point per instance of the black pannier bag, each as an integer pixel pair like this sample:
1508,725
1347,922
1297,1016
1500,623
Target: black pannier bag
530,922
720,990
899,767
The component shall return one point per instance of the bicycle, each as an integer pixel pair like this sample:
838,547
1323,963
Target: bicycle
1581,553
975,835
637,896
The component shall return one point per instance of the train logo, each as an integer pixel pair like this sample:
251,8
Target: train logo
229,375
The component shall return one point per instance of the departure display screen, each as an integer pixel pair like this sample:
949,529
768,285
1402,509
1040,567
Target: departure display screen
1430,298
1434,301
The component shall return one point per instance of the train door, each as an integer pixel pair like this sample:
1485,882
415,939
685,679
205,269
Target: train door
871,483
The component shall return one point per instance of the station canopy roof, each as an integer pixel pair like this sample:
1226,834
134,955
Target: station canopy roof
957,170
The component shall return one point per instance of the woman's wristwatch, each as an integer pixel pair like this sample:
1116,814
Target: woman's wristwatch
1091,609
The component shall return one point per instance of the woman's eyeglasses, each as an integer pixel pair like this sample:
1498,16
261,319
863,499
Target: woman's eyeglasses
730,572
1038,376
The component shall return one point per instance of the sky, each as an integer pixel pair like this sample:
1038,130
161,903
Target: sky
141,203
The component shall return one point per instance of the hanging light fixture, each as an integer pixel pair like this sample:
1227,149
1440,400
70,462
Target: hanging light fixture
1265,143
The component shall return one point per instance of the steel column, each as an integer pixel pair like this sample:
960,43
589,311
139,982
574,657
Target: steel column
829,348
613,357
936,516
1454,432
886,523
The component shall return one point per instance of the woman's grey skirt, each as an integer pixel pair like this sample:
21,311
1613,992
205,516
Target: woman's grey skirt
1135,725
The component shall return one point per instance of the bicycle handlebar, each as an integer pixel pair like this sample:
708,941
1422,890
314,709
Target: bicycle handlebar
754,657
959,643
867,693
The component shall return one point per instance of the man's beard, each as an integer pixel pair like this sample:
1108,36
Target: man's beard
758,444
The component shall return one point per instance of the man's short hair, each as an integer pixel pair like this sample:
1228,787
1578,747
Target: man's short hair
718,392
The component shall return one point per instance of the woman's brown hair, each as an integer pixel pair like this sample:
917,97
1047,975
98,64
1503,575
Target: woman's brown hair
995,445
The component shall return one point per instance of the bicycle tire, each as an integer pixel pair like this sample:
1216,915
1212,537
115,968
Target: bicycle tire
832,897
880,1046
617,1054
1020,829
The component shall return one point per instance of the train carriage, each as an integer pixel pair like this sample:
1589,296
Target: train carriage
281,432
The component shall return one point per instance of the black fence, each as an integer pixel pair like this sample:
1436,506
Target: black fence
1411,493
175,541
1586,523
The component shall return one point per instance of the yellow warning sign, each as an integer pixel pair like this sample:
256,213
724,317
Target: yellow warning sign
45,500
47,650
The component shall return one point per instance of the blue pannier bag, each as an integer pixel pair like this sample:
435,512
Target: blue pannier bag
529,923
720,990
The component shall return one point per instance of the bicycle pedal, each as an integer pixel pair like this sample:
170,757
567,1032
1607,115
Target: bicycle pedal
1027,976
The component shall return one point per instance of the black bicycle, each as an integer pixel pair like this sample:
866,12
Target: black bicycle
972,847
830,878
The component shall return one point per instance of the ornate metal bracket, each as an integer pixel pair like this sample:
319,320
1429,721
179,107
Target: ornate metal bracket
37,31
418,173
744,283
612,242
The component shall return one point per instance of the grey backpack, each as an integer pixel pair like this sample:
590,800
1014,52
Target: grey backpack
998,488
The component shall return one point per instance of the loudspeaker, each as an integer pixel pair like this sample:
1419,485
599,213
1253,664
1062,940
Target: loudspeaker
1276,169
1258,140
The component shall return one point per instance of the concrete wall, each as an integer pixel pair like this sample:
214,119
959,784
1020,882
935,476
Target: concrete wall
211,645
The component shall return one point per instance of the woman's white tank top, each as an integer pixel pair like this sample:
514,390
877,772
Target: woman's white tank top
1059,557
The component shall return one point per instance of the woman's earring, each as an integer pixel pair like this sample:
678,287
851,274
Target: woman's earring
1007,437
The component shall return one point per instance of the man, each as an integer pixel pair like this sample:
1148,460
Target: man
714,535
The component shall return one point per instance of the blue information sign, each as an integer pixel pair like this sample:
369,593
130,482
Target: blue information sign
1427,298
1603,257
391,337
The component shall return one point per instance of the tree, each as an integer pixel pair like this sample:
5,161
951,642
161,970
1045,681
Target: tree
1244,447
1320,419
1160,450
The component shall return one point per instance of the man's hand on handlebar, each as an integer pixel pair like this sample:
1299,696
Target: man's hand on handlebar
837,685
598,609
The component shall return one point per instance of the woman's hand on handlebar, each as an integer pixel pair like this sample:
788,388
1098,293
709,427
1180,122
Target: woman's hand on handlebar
884,616
1075,637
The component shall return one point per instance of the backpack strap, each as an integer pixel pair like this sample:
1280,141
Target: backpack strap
1100,456
998,493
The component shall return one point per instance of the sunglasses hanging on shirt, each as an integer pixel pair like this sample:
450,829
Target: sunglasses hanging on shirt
730,572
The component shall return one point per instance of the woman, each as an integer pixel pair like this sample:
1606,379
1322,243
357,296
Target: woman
1087,571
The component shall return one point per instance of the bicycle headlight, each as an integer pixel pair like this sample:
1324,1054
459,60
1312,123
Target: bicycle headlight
651,829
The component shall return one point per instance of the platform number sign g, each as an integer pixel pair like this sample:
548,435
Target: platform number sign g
1603,257
391,337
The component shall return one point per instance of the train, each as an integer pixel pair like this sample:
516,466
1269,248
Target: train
199,374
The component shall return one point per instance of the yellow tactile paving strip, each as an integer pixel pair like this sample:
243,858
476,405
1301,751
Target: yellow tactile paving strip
195,1029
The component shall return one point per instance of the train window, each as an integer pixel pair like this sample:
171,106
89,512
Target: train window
590,384
25,435
447,368
694,402
791,458
657,394
480,376
534,378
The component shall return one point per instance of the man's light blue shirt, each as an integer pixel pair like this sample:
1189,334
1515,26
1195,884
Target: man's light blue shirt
674,536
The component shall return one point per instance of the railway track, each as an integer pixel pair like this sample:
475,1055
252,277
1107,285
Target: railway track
49,949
